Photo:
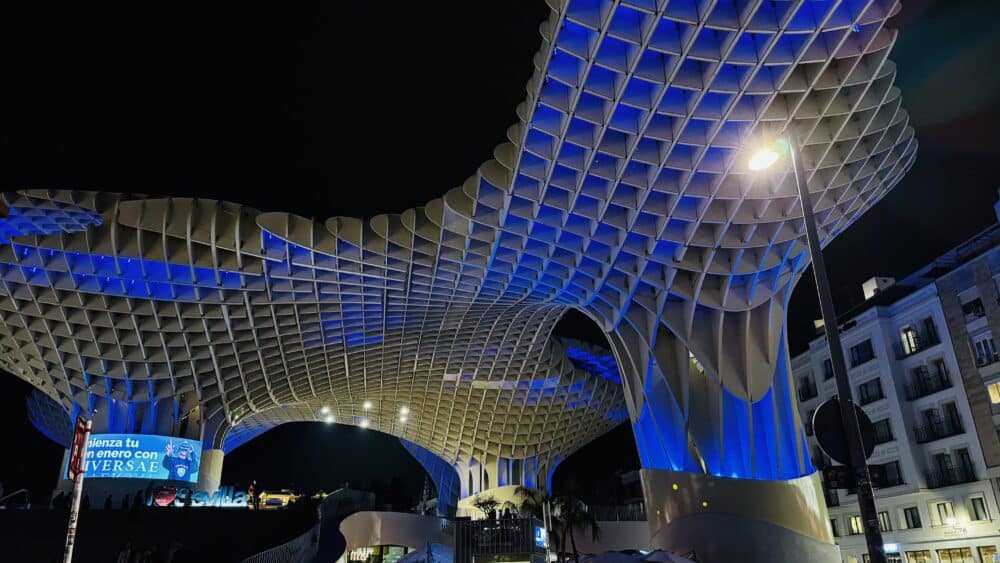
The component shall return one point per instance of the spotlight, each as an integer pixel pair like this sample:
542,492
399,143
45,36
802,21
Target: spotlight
328,419
325,410
367,405
404,410
365,423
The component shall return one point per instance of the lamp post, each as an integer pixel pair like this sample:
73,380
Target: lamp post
760,160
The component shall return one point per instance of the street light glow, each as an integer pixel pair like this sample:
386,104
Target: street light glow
328,419
364,423
325,410
367,405
404,411
763,158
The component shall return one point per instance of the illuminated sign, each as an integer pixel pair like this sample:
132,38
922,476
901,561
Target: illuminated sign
225,497
142,456
540,537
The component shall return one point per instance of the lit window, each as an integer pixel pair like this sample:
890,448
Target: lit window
909,338
883,521
956,555
994,392
857,528
945,512
912,517
923,556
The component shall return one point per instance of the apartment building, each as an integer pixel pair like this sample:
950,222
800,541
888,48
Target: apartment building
923,363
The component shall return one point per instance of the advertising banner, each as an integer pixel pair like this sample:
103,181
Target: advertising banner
142,456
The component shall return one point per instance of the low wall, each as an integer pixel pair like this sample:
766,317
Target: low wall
205,534
614,536
362,529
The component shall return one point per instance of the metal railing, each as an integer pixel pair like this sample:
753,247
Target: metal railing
808,391
27,498
623,513
950,476
927,382
866,398
987,360
937,430
919,344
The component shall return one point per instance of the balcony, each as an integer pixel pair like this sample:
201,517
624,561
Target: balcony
986,360
808,391
927,382
920,343
937,430
950,476
883,436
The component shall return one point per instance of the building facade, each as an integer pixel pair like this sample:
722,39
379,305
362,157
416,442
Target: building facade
924,366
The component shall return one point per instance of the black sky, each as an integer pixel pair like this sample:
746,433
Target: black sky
361,108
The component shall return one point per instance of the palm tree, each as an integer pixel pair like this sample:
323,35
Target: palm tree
532,501
575,518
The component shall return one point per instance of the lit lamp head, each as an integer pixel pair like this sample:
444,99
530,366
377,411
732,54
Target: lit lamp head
765,155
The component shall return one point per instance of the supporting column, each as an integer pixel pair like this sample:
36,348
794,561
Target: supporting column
210,470
725,466
445,477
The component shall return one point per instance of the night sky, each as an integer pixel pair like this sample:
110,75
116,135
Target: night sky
360,108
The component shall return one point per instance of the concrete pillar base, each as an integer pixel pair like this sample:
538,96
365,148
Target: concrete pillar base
747,520
210,470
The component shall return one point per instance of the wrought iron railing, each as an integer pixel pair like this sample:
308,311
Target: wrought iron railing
927,382
937,430
920,343
950,476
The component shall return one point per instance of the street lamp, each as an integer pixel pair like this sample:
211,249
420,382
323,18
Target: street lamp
760,159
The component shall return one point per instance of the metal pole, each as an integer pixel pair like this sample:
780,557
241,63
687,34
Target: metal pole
547,524
74,512
852,432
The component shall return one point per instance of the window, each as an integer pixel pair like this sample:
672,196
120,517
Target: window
884,523
856,528
984,349
930,331
883,431
974,308
870,391
988,553
827,369
911,342
912,517
861,353
923,556
945,512
833,526
994,389
893,474
956,555
977,509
